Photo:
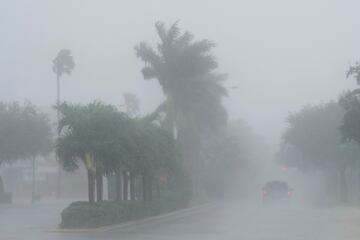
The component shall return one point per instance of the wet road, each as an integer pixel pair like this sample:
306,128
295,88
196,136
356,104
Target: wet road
218,221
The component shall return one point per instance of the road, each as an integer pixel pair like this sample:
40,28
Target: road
217,221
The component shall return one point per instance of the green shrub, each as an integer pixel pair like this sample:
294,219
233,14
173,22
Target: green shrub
85,215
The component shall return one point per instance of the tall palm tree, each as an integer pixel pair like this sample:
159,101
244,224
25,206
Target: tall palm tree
185,69
63,63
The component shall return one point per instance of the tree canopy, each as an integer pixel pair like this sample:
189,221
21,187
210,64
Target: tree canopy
314,131
350,127
95,130
107,141
25,132
63,63
185,69
313,141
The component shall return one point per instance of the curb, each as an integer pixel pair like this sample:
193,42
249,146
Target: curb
72,230
179,213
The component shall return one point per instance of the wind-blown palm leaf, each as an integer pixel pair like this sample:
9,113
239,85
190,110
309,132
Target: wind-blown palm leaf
354,71
148,55
183,41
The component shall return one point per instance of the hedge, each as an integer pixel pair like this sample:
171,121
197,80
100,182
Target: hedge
85,215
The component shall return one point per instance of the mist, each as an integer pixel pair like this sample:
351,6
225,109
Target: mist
204,136
279,46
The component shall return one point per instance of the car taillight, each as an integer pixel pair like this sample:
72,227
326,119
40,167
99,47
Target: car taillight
290,194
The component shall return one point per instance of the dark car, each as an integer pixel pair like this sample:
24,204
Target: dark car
276,191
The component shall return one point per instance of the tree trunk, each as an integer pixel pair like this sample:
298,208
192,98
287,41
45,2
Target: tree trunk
118,186
99,185
33,185
111,187
147,188
190,145
150,188
59,175
343,186
358,182
132,186
143,187
91,186
126,185
2,187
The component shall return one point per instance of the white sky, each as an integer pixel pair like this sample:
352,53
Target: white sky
281,54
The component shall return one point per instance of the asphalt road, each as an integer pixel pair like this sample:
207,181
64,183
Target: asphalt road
218,221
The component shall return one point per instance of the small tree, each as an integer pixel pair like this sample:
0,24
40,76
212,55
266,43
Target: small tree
25,133
314,132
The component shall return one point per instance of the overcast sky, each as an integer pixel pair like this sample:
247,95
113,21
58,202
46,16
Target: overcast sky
280,54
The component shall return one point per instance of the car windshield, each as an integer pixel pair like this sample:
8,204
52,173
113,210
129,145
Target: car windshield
277,186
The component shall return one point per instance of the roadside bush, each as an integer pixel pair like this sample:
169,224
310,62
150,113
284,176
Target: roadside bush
85,215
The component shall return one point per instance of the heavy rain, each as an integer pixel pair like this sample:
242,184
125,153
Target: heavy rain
180,120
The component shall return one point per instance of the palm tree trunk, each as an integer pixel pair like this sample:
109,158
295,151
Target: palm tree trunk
99,185
118,186
33,185
59,176
148,187
190,144
132,186
126,185
358,182
143,188
91,186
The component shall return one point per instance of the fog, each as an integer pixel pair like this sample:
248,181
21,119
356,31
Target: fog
282,59
269,49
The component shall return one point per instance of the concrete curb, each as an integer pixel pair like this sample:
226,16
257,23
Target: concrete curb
72,230
180,213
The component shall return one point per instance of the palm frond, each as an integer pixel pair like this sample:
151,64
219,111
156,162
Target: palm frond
161,30
184,40
173,32
148,73
147,54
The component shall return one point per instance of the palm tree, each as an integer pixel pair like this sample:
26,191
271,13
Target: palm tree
95,135
107,142
185,69
62,64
